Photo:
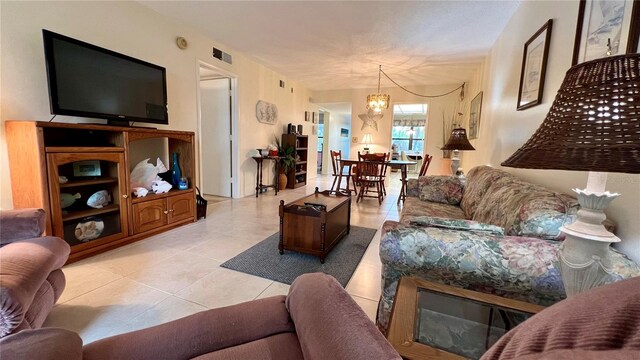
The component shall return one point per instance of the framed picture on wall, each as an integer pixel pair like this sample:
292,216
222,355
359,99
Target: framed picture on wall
313,118
474,116
606,27
307,116
534,65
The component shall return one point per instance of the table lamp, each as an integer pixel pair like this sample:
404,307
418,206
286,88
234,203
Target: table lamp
593,125
367,139
457,141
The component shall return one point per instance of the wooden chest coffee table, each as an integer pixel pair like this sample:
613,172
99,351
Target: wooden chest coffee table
314,224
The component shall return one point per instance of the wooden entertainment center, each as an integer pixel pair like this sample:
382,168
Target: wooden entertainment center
94,158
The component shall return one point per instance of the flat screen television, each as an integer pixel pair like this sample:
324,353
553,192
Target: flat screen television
89,81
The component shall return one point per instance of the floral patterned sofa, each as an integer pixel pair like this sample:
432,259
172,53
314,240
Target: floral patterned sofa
498,234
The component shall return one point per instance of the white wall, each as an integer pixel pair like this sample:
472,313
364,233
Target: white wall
503,129
382,138
135,30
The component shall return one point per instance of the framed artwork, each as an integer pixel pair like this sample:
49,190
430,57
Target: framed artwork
307,116
606,27
314,130
313,118
344,132
534,65
474,116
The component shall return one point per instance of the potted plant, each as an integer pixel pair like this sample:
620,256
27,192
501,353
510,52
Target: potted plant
287,163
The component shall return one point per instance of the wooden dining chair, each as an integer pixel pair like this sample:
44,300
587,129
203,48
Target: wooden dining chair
336,156
425,164
371,175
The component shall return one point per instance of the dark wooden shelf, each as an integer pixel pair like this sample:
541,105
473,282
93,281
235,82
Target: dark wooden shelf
300,162
152,196
90,212
76,149
301,172
89,182
301,148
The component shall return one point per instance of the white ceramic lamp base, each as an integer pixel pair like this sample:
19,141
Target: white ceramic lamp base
585,254
455,162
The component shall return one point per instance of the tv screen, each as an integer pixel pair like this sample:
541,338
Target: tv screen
90,81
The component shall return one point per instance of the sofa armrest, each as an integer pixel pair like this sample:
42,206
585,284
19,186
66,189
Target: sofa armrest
330,325
21,224
42,344
24,267
198,334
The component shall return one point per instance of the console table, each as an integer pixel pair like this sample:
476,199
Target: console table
259,185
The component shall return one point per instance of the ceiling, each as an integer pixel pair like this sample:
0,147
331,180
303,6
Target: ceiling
329,45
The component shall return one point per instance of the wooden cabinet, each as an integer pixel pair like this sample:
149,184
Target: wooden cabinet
297,176
180,207
59,167
149,215
153,214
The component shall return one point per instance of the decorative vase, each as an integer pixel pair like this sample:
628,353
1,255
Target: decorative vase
282,181
176,174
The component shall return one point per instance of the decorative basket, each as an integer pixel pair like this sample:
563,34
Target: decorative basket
201,205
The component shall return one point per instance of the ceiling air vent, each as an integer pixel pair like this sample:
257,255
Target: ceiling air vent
220,55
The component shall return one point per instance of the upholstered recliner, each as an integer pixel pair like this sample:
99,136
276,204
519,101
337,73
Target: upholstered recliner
318,320
30,277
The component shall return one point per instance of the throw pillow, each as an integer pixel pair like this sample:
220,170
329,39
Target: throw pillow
456,224
441,189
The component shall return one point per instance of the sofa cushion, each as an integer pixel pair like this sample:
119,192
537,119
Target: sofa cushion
456,224
414,207
525,209
441,189
283,346
479,180
603,323
21,224
41,344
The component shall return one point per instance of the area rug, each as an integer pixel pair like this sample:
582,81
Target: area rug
264,260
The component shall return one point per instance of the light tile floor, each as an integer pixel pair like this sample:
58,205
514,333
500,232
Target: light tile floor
178,273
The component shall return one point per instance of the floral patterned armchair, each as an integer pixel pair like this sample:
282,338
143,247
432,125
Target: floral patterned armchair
497,235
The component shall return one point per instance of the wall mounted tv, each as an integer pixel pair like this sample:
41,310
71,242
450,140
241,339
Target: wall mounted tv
89,81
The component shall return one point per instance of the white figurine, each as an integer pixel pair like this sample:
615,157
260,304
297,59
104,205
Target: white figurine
160,186
160,166
140,192
99,199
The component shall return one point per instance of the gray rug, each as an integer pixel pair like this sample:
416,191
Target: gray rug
264,260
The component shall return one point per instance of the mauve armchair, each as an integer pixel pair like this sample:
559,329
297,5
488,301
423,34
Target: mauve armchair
30,277
318,320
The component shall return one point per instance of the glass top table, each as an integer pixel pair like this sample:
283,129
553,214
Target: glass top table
431,320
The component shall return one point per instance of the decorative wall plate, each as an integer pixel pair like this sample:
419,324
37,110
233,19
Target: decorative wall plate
266,112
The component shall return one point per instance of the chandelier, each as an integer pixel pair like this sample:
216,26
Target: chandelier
378,102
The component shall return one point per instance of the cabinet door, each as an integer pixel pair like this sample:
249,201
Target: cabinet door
88,198
181,207
149,215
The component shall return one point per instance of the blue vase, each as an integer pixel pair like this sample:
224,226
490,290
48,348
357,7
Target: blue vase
176,174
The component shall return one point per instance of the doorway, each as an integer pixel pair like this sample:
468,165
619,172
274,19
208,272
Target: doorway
336,133
216,105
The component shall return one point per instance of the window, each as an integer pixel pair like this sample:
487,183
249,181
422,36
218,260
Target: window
408,138
409,126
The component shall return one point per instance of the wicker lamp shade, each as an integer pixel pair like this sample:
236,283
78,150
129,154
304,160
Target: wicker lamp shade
458,141
594,122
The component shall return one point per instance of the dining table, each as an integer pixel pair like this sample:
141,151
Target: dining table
393,164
